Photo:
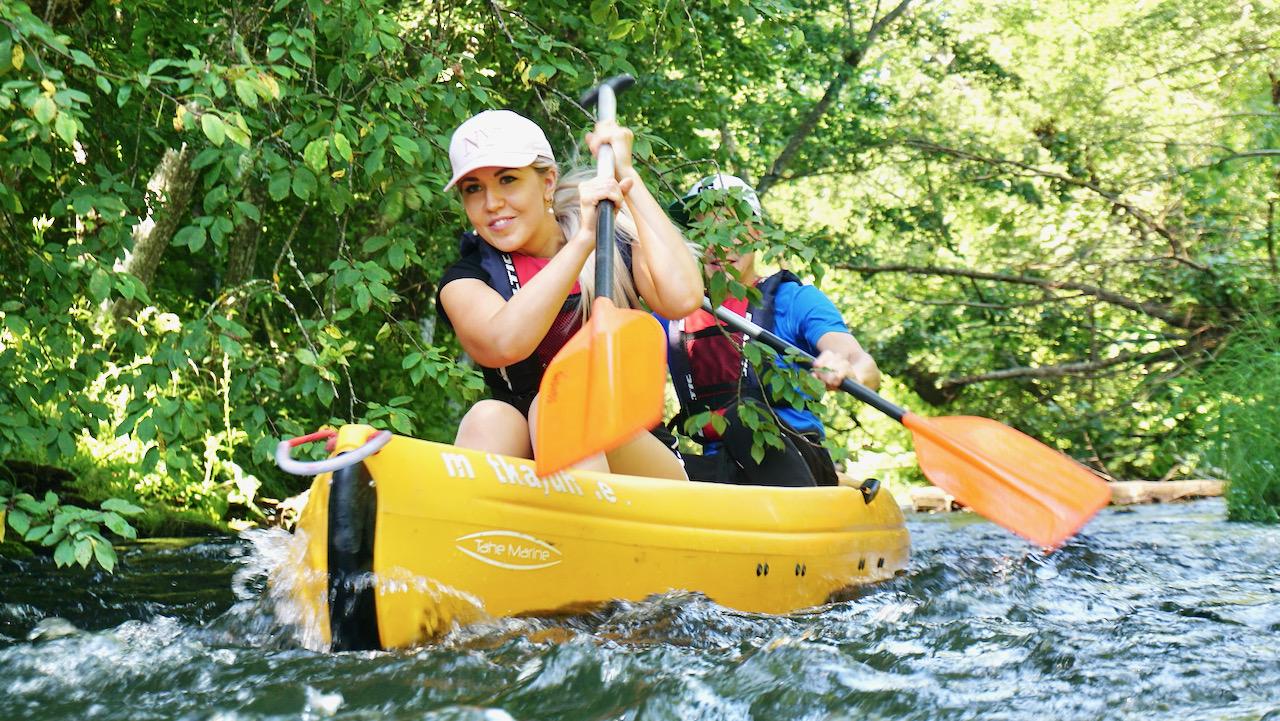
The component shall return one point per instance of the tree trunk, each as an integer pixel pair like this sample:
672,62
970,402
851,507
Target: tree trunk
242,255
169,194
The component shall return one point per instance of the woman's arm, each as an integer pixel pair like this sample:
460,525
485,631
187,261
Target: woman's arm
667,275
497,332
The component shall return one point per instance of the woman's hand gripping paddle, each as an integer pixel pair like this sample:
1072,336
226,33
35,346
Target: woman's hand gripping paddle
605,385
1002,474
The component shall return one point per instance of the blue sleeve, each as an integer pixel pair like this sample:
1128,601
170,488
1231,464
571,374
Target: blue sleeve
666,333
806,314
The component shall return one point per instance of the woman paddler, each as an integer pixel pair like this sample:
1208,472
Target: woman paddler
520,291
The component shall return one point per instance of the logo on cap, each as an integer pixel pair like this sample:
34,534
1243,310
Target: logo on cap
471,146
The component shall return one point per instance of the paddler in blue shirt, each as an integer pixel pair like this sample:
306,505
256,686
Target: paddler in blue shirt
710,373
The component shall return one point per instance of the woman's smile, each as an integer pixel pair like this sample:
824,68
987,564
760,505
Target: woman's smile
501,223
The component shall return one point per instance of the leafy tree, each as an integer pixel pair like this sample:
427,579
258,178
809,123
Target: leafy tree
221,225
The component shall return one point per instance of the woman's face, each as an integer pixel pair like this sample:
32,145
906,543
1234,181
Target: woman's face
508,207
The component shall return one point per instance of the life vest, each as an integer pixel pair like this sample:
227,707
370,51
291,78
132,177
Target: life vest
518,383
708,368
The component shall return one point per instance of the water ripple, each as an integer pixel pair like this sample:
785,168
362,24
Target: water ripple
1154,613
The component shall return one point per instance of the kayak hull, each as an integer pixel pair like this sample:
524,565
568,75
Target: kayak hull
422,537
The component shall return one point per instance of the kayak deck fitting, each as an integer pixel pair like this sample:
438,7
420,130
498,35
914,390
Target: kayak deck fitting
420,537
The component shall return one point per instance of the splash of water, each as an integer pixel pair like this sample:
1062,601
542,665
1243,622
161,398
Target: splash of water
1155,614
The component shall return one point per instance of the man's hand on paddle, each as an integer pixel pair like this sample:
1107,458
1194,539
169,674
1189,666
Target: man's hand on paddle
840,356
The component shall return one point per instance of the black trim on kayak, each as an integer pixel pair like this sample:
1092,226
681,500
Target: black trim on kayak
869,488
353,502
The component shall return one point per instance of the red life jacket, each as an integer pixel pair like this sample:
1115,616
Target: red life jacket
567,321
708,368
518,383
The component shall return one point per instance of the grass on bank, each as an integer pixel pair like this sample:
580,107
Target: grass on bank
1245,448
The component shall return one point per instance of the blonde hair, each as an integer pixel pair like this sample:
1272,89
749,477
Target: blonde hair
565,204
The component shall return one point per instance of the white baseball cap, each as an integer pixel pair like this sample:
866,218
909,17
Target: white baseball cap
719,181
496,138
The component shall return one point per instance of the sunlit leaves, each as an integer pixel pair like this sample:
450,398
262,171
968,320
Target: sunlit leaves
104,553
214,129
246,92
237,132
192,236
405,148
316,155
342,146
99,284
44,109
75,534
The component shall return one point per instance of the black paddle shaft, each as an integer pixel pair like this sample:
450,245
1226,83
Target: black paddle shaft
604,97
849,385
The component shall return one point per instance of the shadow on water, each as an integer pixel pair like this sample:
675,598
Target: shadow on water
1159,612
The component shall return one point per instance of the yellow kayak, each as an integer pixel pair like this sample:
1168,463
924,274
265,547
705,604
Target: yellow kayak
419,537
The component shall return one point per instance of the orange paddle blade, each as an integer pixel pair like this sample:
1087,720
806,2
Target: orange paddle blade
1008,476
603,388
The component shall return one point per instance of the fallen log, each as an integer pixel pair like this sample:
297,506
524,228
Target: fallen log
1124,493
931,499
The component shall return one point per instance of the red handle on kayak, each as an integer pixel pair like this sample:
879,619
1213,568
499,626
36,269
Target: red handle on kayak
301,440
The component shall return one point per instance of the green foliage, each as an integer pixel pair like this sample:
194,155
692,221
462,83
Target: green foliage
1242,387
319,109
1084,179
1123,151
75,534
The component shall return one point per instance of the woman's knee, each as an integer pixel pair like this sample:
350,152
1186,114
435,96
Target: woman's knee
497,427
647,456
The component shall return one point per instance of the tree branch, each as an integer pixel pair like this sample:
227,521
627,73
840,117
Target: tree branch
1195,345
1247,50
849,62
546,110
1049,298
1175,243
730,147
1154,310
1271,236
1259,153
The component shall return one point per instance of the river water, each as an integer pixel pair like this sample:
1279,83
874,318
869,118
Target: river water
1154,612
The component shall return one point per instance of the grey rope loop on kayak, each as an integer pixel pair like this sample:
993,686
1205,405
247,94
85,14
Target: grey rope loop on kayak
286,462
